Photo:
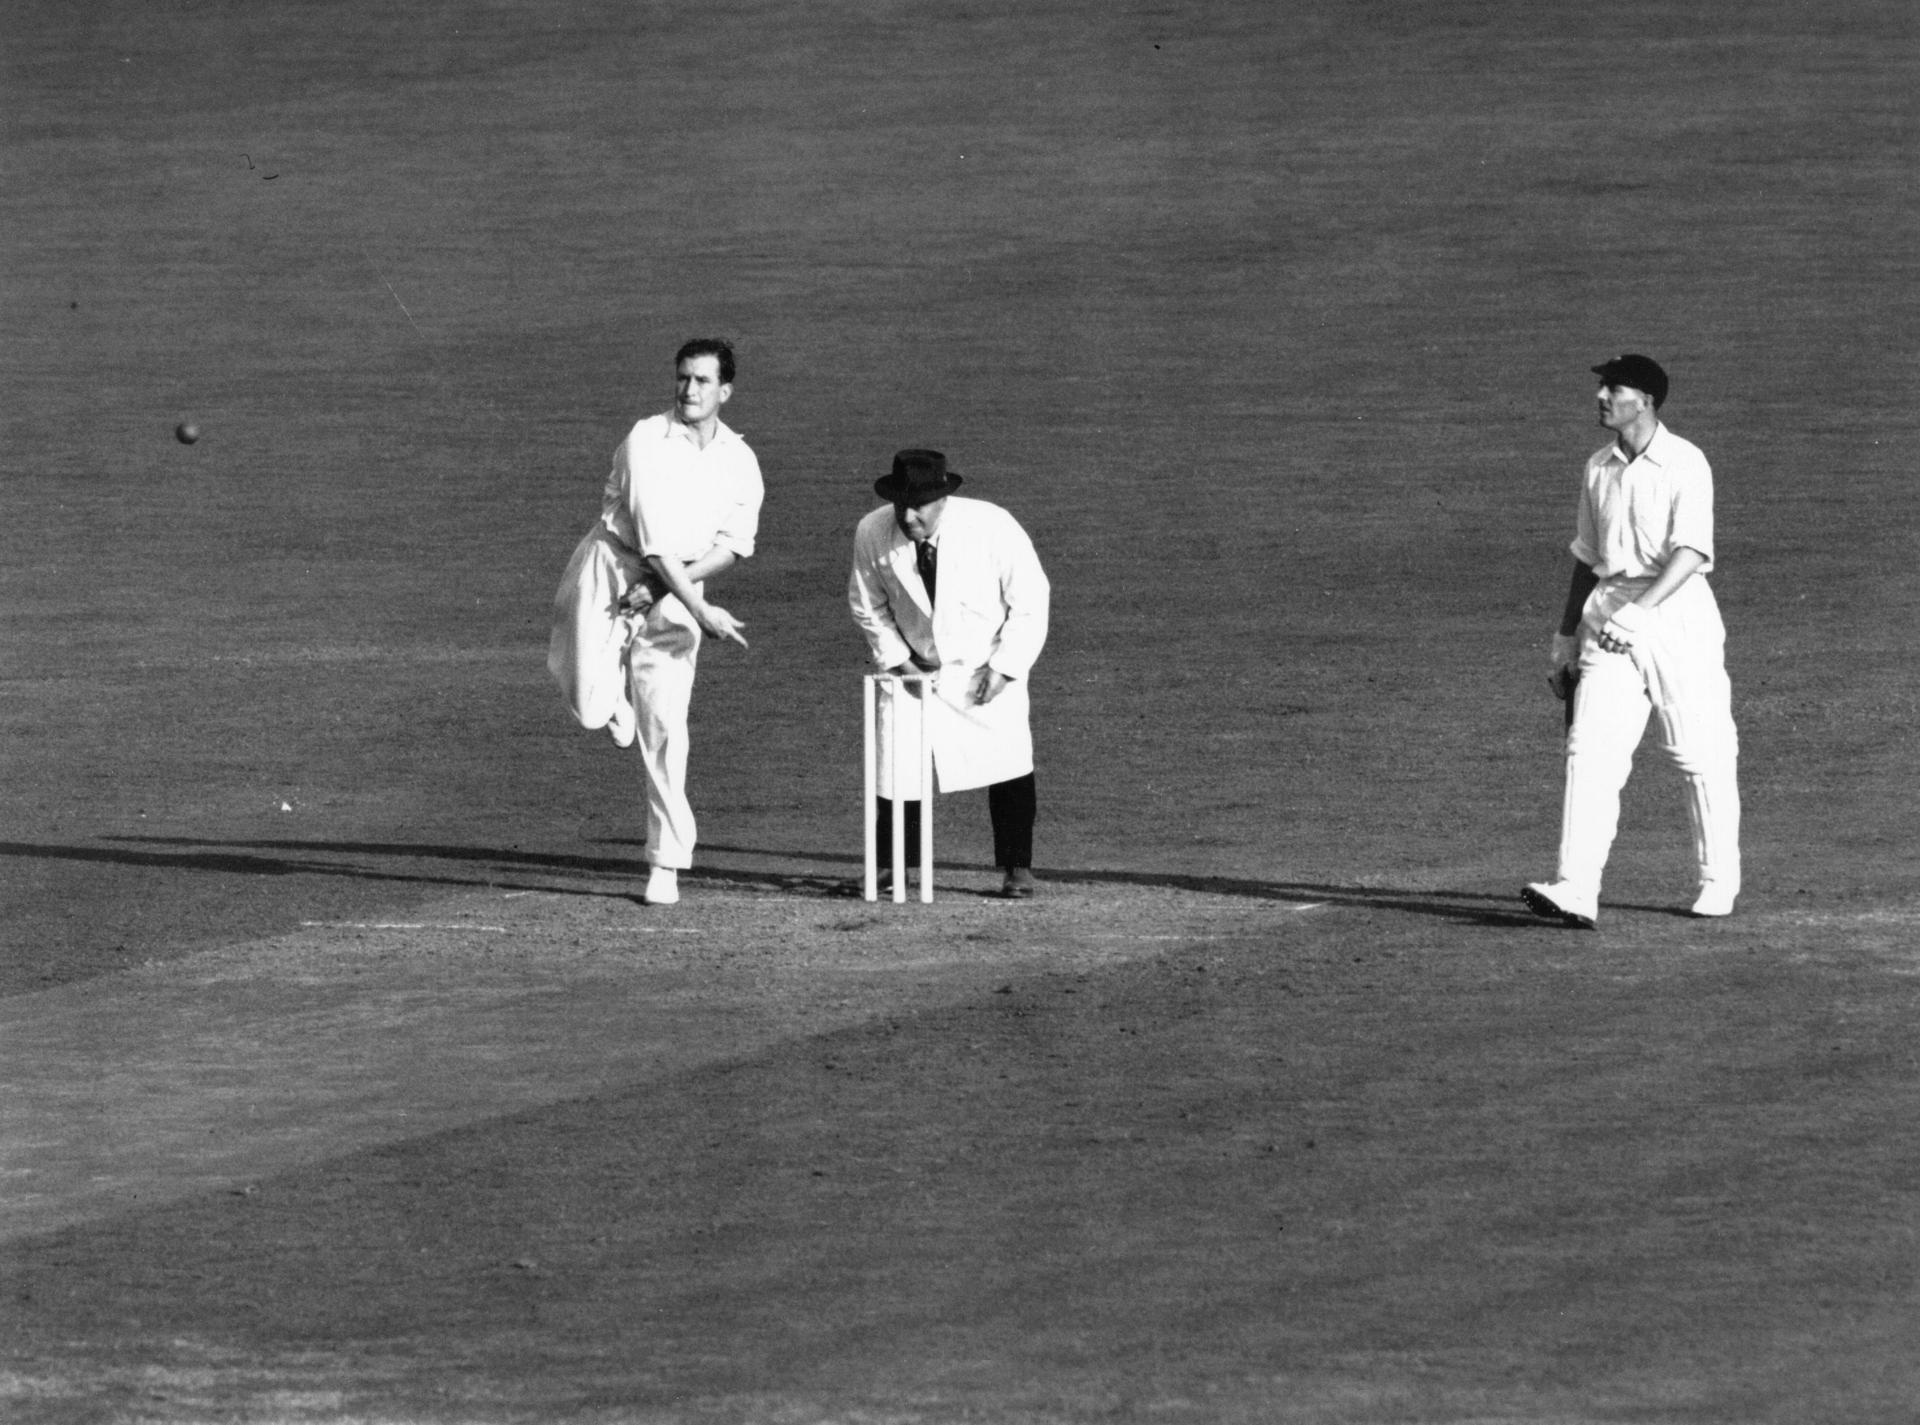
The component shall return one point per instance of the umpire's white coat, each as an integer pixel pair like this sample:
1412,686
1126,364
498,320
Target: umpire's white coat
991,613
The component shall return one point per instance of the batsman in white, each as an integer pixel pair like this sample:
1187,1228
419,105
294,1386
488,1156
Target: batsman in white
681,506
1642,635
952,586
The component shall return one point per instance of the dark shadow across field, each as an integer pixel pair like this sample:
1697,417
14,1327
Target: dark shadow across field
561,873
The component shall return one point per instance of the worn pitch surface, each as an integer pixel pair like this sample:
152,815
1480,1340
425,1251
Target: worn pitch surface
346,1080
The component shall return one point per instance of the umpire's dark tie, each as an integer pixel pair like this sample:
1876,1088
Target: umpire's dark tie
923,560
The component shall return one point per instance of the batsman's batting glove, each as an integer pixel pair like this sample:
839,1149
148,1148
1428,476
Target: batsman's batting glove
1627,624
1564,663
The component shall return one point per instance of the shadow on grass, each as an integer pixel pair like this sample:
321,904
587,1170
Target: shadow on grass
1474,907
313,858
514,869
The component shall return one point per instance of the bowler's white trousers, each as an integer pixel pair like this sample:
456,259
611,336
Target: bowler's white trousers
660,667
1676,671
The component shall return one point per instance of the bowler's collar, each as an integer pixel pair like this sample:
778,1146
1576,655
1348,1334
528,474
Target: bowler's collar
680,430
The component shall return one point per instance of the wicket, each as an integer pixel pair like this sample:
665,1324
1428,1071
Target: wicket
896,687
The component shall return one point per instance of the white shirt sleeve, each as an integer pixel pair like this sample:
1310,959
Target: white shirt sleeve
740,519
869,594
1028,597
1692,525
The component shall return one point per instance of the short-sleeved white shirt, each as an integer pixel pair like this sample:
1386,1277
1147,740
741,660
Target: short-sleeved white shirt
670,497
1635,513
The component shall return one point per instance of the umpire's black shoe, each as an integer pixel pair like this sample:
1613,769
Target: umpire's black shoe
1018,885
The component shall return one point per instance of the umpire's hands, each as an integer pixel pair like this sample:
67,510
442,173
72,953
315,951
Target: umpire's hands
988,685
914,668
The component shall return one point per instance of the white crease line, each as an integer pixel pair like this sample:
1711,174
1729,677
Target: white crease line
1859,917
1195,938
395,925
664,930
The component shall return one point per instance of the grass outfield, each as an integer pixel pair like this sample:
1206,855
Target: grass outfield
1147,1152
346,1081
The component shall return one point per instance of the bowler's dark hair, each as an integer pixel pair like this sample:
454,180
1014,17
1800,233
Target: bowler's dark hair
719,348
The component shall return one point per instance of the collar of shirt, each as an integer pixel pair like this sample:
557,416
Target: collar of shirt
1653,454
678,429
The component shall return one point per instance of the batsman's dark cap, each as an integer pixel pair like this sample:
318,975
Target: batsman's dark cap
918,477
1642,373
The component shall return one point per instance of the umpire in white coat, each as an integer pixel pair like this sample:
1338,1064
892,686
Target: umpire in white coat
947,585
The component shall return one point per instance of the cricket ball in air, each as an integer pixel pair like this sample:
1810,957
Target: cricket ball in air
186,432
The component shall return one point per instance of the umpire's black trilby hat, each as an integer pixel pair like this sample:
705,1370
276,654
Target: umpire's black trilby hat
918,478
1642,373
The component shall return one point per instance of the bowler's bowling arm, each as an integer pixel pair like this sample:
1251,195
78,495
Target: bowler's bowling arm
681,580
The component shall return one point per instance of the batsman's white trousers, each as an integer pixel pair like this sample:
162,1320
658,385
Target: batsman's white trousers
660,667
1676,673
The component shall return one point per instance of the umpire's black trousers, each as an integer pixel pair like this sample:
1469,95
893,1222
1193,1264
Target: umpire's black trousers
1013,806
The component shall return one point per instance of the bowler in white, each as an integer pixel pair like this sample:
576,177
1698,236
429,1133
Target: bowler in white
681,507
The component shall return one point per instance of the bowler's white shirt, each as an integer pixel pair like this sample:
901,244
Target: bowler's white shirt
1635,513
670,497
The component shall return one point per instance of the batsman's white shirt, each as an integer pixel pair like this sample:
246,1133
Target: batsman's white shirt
1634,513
991,612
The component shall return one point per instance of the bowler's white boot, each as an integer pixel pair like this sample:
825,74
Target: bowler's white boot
1716,898
663,886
